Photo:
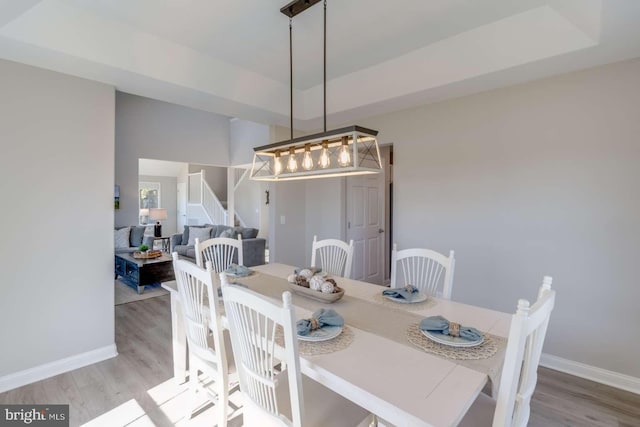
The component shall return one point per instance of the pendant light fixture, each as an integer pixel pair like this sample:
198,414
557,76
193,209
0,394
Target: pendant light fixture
351,150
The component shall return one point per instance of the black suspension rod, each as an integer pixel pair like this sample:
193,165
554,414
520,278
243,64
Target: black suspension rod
324,76
291,77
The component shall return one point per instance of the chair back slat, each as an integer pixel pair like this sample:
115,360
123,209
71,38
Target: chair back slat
423,268
253,324
335,256
524,348
220,251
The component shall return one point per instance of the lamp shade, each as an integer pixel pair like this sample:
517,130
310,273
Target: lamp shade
156,214
144,212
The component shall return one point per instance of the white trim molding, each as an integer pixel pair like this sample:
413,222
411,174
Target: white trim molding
37,373
599,375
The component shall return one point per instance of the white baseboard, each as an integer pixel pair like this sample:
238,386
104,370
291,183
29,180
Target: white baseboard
599,375
31,375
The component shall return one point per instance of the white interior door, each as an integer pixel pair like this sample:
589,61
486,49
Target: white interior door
182,206
365,220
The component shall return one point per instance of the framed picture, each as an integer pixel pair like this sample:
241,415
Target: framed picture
116,197
149,198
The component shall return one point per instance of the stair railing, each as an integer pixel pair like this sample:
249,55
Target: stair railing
212,206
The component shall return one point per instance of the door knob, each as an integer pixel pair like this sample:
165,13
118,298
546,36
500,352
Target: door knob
380,230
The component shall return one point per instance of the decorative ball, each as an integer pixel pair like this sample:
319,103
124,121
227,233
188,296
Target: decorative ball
316,283
331,281
292,278
301,281
306,273
327,288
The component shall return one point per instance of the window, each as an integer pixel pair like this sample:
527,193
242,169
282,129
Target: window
149,198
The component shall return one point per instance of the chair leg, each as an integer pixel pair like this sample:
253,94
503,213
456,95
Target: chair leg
193,388
223,403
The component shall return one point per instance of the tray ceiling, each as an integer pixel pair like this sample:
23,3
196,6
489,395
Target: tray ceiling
231,57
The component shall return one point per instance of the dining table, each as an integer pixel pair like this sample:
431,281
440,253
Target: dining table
386,366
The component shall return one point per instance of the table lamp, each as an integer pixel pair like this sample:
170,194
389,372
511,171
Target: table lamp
157,214
144,213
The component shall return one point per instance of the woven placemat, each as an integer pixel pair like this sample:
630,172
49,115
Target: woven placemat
311,348
415,306
483,351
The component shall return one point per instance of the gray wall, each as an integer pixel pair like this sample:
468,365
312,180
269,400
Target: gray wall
168,200
325,214
150,129
287,242
525,181
215,176
248,198
540,178
246,135
56,255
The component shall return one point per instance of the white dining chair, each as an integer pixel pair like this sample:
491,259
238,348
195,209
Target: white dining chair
220,251
519,372
272,396
204,332
423,269
335,256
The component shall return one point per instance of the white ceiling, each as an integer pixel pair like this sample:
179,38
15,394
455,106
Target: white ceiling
231,57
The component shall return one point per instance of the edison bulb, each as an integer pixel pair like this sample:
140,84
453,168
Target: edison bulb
344,158
292,164
324,161
277,165
307,161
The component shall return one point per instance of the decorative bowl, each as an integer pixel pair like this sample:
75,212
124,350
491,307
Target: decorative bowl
317,295
147,255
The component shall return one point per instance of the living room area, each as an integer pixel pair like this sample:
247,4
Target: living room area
174,196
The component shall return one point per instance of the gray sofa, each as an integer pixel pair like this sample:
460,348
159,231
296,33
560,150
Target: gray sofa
253,247
136,238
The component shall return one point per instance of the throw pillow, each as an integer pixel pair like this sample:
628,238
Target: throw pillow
214,230
198,233
137,233
220,229
228,233
121,237
185,233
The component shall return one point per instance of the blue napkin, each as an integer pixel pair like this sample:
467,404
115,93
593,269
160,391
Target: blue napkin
440,324
408,292
325,317
238,270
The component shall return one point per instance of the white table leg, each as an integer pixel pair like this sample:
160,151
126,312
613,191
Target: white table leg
178,340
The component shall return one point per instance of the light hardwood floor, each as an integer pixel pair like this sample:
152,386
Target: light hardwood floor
136,388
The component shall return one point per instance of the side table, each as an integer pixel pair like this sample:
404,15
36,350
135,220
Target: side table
165,242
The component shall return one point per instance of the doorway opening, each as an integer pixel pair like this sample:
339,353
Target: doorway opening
369,213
